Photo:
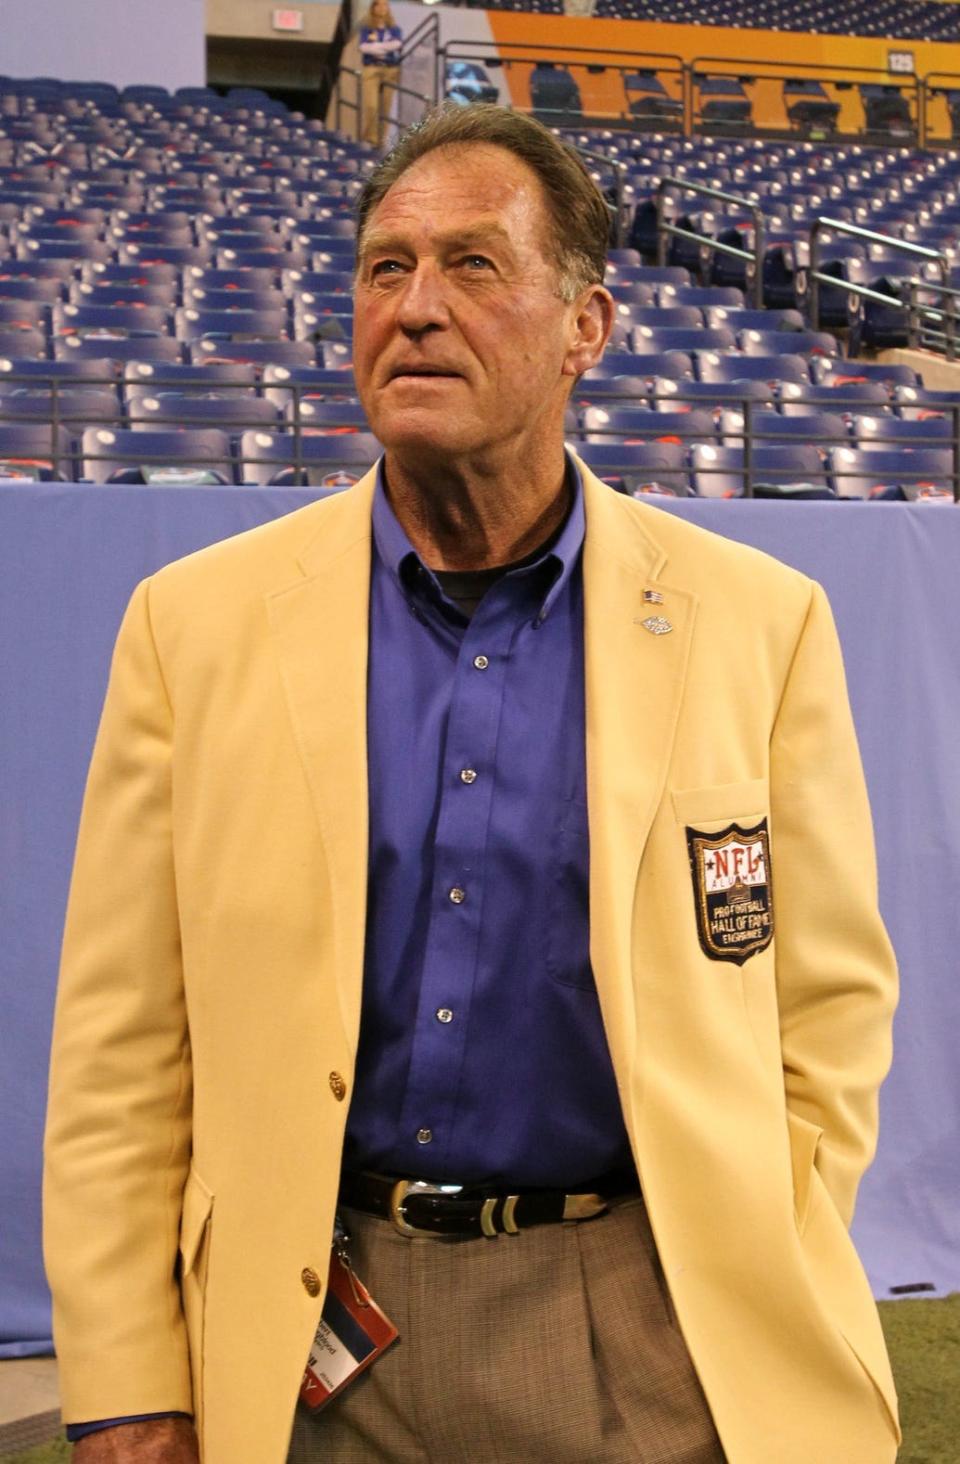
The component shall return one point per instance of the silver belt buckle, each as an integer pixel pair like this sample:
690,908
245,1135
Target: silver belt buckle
401,1192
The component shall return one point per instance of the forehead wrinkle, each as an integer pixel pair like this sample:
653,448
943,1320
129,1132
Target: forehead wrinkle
483,231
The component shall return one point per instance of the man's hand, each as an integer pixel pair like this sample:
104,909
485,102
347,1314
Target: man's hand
159,1441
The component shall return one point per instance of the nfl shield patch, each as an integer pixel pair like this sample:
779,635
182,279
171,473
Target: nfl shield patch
731,890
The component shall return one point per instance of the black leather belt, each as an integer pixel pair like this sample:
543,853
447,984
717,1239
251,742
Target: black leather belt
422,1207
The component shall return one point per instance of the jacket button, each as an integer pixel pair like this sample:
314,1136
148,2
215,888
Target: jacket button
311,1281
338,1087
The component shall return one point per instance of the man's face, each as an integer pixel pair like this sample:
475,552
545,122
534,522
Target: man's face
462,345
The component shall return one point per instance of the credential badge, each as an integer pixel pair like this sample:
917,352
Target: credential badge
732,891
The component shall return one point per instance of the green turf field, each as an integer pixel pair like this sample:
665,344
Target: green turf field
924,1342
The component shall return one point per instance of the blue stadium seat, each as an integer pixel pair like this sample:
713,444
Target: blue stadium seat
318,416
231,414
715,368
231,325
666,394
928,432
282,383
892,473
325,461
794,470
800,399
258,353
23,345
108,348
636,467
33,451
188,458
821,429
642,424
110,322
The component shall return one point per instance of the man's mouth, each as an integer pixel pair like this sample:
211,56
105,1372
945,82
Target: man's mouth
427,372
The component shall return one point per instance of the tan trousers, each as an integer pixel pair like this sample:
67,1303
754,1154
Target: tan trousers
372,79
556,1346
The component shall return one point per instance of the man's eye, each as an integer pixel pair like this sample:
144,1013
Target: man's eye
477,261
385,266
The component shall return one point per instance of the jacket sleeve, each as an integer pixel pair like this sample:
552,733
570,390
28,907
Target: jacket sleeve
836,974
118,1126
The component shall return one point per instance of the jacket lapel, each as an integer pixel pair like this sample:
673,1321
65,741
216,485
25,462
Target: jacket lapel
321,628
634,683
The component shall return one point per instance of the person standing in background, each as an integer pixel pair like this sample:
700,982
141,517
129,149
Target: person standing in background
380,43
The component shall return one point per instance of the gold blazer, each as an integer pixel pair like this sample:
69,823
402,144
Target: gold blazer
210,993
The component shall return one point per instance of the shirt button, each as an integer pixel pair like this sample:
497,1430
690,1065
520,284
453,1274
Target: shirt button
337,1087
481,663
424,1136
444,1014
468,775
457,895
311,1281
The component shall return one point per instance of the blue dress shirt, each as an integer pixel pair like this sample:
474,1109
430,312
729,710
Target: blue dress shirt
482,1053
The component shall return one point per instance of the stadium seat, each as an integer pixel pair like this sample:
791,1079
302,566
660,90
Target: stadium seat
721,472
927,432
820,429
713,367
639,468
34,452
318,416
666,394
149,378
327,460
106,348
188,458
257,353
892,473
282,383
231,414
642,424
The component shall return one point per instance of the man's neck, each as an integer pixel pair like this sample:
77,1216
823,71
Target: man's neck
466,520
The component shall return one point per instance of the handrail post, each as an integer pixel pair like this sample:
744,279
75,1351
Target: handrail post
55,423
747,447
951,314
661,198
297,435
759,244
814,277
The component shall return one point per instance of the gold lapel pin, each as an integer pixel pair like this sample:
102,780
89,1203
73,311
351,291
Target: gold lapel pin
657,625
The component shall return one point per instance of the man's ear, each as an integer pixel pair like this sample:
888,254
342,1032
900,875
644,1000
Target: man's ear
590,330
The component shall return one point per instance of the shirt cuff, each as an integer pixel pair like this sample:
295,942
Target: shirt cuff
77,1431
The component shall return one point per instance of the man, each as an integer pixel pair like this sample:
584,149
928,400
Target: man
493,850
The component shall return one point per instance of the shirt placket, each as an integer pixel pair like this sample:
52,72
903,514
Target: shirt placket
461,865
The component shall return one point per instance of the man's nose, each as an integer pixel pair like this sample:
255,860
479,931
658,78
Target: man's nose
423,300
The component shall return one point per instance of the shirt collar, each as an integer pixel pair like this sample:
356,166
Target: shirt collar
400,559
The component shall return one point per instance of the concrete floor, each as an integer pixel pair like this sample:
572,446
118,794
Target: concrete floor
29,1403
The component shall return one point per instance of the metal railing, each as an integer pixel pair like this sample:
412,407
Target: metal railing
706,243
385,114
356,105
732,411
753,476
868,236
590,60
